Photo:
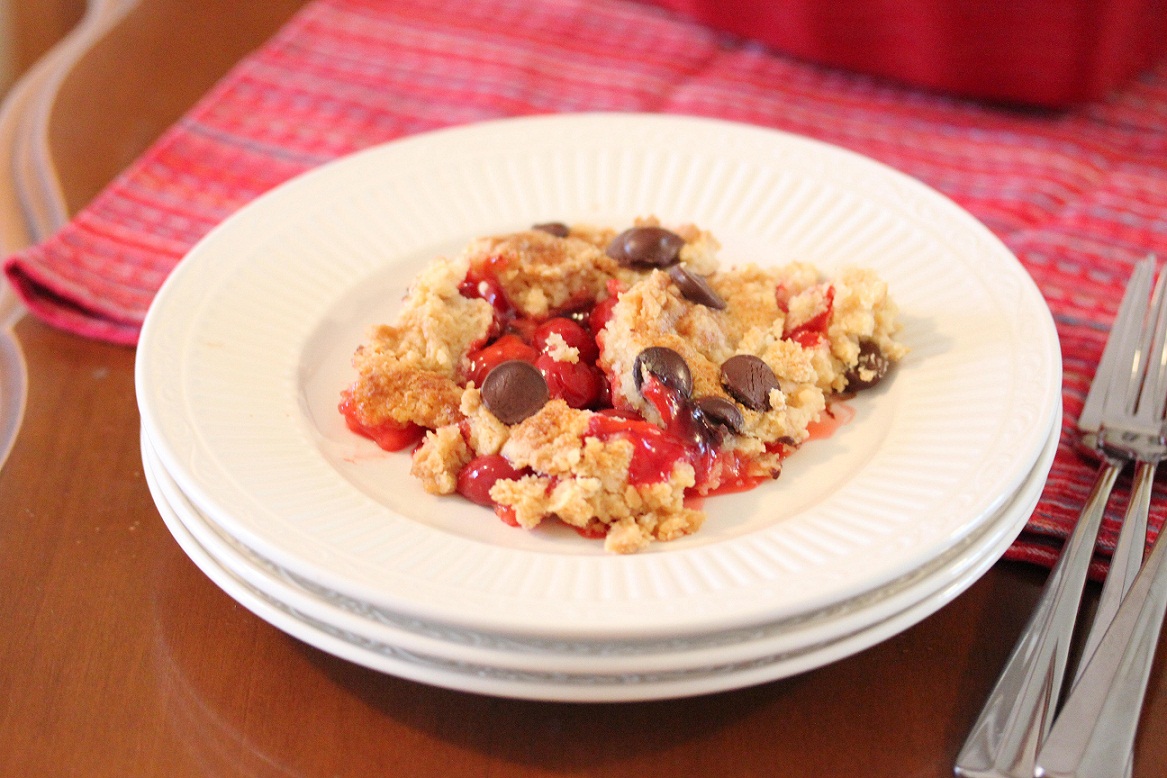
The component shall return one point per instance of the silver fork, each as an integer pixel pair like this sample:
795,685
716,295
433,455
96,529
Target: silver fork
1148,404
1004,741
1094,734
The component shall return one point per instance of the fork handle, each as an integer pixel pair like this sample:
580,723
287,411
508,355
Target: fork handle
1126,561
1125,564
1095,732
1017,715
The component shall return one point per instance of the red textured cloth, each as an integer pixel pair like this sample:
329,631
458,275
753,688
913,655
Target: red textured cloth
1078,195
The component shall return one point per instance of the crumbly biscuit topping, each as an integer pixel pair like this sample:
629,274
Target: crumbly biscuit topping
622,440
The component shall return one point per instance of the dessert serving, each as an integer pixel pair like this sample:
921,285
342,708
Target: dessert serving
609,380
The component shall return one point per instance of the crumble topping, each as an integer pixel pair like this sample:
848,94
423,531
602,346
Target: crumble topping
656,375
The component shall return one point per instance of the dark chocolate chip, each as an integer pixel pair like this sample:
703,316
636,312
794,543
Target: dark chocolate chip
652,246
558,229
695,288
514,390
694,427
667,365
719,410
872,360
749,380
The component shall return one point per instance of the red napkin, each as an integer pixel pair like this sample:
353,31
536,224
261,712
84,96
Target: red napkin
1078,195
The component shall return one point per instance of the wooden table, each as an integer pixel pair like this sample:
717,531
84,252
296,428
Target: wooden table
119,658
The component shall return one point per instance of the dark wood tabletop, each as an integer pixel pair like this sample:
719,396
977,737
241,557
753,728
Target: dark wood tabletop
118,657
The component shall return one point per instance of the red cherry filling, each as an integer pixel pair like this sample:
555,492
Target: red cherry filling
507,515
836,415
813,331
596,530
695,441
389,435
576,383
687,436
479,474
522,328
482,281
654,451
602,311
573,335
685,422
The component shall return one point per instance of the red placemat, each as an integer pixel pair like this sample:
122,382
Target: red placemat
1078,195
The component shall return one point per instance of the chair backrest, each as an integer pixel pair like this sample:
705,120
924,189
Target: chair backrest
92,105
32,204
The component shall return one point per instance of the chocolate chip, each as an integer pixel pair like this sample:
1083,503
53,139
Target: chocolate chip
695,288
871,360
514,390
721,411
749,380
652,246
694,427
668,366
558,229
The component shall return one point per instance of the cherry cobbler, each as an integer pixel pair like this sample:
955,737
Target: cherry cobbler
611,379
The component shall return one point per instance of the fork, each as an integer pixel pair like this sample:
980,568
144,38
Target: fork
1004,741
1094,735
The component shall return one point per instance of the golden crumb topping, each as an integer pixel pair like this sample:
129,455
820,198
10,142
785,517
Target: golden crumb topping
605,438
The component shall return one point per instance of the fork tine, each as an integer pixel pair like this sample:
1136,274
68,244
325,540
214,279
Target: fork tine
1123,385
1127,557
1153,397
1129,323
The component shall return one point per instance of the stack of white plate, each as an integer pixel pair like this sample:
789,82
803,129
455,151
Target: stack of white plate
248,345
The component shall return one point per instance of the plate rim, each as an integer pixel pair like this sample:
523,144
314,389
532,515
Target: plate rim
606,657
468,677
205,498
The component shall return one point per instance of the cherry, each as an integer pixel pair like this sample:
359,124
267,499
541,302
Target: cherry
571,332
576,383
479,474
507,515
602,311
782,296
807,338
506,348
813,331
654,451
604,399
389,435
395,437
487,288
600,314
596,530
522,328
482,281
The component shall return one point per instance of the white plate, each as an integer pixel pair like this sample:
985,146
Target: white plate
247,346
604,661
730,661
